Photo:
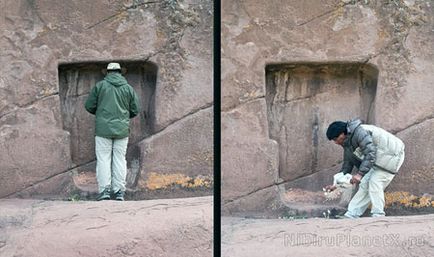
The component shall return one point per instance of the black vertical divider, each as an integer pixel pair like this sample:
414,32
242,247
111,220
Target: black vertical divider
217,138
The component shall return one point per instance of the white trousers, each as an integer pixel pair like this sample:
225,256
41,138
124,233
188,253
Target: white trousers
111,165
371,191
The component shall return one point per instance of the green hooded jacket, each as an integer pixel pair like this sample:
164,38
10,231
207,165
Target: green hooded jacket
113,101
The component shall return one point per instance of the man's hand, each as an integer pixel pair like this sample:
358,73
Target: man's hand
330,188
356,179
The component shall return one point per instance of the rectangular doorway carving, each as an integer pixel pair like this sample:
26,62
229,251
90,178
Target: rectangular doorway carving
303,99
75,82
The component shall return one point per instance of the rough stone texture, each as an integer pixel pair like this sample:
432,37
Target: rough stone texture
267,200
324,237
177,227
183,147
40,38
33,145
187,88
287,200
417,180
246,149
78,183
393,37
314,182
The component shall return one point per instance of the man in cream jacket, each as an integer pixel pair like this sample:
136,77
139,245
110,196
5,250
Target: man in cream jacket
376,153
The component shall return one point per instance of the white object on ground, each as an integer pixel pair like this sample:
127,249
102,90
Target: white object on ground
342,182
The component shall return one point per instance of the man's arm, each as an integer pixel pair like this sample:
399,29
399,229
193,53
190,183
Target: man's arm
92,101
347,165
369,150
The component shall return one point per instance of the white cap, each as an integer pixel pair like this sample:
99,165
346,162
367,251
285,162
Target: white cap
113,66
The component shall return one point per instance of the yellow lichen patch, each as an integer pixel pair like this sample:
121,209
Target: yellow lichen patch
162,181
408,200
424,201
201,182
159,181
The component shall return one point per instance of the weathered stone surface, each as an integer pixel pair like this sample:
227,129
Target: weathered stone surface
256,170
33,145
389,237
185,84
183,147
417,172
284,201
177,227
257,33
405,63
393,38
77,183
59,187
314,182
264,203
249,157
40,38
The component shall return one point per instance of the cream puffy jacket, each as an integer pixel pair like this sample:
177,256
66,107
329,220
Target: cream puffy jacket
371,145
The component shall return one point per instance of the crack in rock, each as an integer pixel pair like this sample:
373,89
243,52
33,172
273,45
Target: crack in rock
121,12
414,124
337,7
28,105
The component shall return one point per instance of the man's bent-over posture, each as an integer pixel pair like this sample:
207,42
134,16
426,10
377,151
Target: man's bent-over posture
113,102
376,153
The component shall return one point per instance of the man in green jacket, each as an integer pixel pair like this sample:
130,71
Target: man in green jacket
113,102
376,153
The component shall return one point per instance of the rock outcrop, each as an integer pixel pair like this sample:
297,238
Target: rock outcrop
175,227
53,54
290,68
388,237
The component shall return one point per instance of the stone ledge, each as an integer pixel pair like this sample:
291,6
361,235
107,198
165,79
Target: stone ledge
388,236
176,227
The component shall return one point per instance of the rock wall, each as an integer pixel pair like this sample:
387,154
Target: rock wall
289,68
53,54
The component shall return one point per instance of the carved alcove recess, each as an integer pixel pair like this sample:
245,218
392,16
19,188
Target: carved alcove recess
75,82
303,99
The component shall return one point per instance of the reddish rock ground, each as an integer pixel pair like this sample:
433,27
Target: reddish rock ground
388,236
170,227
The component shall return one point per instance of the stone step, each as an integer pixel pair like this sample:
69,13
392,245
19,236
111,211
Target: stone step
81,184
302,203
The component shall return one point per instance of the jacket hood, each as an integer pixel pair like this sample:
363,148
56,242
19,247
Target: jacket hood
116,79
352,125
